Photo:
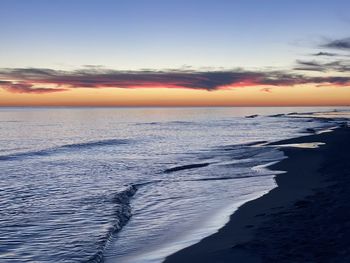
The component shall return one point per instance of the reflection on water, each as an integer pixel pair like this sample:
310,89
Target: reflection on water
72,177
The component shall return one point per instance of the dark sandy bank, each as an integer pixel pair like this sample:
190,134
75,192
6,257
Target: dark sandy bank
305,219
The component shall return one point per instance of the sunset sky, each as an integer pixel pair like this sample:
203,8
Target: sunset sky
174,52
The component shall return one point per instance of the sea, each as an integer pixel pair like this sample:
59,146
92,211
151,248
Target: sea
122,185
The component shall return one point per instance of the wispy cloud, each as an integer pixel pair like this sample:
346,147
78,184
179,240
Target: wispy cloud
324,54
324,61
340,66
342,44
38,80
22,87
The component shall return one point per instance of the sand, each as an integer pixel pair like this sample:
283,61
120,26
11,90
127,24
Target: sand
305,219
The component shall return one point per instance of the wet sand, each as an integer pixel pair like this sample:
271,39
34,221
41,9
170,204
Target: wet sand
305,219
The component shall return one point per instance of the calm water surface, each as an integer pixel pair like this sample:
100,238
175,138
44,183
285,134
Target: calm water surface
130,184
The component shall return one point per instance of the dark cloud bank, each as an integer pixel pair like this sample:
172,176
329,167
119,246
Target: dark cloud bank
41,80
27,80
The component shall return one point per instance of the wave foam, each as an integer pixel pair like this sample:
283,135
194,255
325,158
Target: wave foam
122,216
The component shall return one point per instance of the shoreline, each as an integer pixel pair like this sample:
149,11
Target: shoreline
276,226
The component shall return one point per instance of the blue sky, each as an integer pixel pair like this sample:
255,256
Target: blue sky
68,34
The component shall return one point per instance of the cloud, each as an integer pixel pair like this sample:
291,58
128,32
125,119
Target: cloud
308,63
104,78
25,88
268,90
36,80
310,66
342,66
324,54
343,44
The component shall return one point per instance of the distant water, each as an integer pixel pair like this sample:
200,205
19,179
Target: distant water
131,184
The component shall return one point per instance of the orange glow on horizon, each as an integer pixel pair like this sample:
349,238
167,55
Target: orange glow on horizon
303,95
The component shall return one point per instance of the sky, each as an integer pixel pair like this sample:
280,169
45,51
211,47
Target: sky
174,52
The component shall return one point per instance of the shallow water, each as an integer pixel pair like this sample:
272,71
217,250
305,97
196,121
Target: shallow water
79,184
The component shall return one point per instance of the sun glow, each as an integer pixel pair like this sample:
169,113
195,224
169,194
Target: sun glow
239,96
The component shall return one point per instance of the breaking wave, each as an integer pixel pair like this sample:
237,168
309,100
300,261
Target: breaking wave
122,215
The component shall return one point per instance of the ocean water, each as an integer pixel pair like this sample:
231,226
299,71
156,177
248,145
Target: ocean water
131,184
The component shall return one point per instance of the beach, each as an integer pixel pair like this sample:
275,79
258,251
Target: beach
174,131
304,219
